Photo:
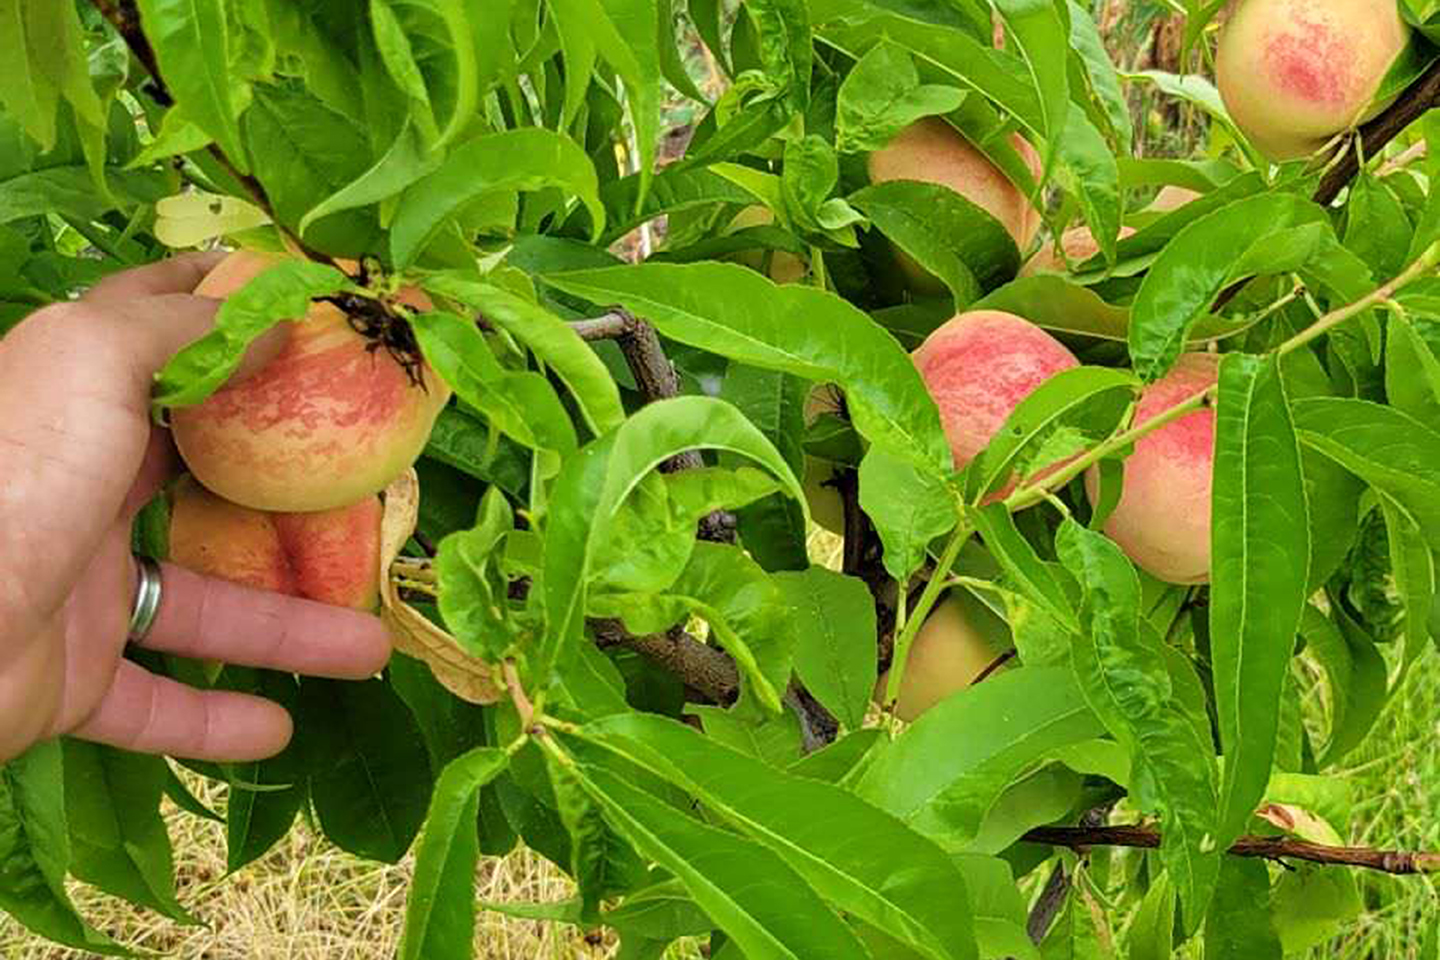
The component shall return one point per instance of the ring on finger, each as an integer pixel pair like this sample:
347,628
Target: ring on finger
147,599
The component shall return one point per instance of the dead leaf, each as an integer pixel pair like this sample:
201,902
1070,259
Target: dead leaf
466,676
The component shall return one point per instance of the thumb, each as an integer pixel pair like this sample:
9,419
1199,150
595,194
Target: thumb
158,327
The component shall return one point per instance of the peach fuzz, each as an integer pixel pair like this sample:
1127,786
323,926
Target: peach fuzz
1294,73
950,651
332,557
330,420
978,366
932,151
1162,521
1079,245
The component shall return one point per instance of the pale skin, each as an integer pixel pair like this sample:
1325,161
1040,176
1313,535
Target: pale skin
81,457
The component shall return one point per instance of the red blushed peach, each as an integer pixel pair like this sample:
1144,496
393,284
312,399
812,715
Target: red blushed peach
978,366
222,539
332,556
1162,521
329,421
932,151
1079,245
1294,73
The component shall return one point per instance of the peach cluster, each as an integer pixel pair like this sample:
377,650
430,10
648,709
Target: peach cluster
286,464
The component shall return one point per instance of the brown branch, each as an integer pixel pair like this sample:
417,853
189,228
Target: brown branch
703,668
1417,98
611,326
1048,905
1268,848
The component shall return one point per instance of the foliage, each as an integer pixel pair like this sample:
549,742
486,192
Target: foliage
503,157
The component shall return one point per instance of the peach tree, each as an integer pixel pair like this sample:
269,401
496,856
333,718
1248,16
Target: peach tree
612,642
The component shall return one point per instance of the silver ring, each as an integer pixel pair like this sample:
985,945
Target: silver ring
147,599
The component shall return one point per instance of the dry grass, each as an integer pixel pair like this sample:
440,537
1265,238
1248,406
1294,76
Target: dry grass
306,900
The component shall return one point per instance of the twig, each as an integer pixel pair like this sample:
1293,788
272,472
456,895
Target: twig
705,669
611,326
1268,848
1423,264
1048,905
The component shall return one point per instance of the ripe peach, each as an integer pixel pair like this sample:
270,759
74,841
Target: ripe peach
784,267
332,556
1079,245
932,151
978,366
958,642
1162,521
329,421
1294,73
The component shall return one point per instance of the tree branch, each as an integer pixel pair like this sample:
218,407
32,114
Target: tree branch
703,668
611,326
1417,98
1268,848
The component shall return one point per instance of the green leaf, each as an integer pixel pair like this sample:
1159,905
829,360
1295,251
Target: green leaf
1260,549
1037,31
29,95
1387,448
842,847
1088,171
1412,564
440,908
525,159
1000,913
909,507
552,340
786,51
369,781
1152,932
521,404
264,796
773,529
191,43
737,313
1099,78
1070,411
1264,234
762,904
405,162
474,588
280,292
600,863
1040,581
1121,665
882,95
944,774
1412,371
835,656
118,839
595,483
35,851
429,49
1238,926
1357,675
948,235
70,190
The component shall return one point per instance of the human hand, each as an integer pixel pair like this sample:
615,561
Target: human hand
81,458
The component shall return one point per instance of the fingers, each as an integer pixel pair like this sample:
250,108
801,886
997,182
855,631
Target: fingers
176,275
150,714
155,328
211,619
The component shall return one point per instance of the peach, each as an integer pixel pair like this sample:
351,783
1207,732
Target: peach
1171,198
1079,245
1294,73
932,151
332,556
978,366
329,421
1162,521
784,267
958,642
